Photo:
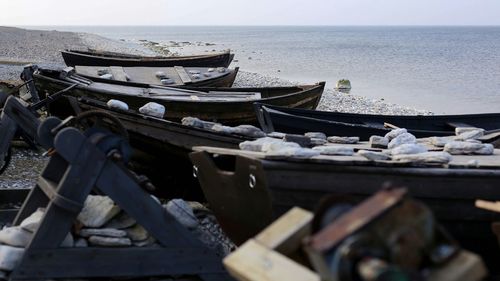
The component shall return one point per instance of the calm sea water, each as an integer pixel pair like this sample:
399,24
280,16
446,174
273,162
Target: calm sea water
442,69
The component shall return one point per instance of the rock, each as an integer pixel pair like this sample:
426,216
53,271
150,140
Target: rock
473,163
197,123
196,76
97,211
153,109
463,147
219,128
116,104
182,212
121,221
194,72
408,148
472,134
10,257
461,130
102,71
425,158
137,233
403,138
301,140
343,140
440,141
297,152
378,142
276,135
249,131
257,144
109,241
221,69
373,155
334,150
107,76
275,146
317,142
149,241
160,75
81,243
343,84
68,241
316,135
167,81
211,69
394,133
106,232
15,236
31,223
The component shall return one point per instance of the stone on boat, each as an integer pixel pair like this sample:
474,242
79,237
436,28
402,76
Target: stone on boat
116,104
197,123
15,236
137,233
276,135
374,155
279,145
334,150
394,133
316,141
432,157
298,139
470,135
153,109
182,212
295,152
194,72
149,241
464,148
81,243
440,141
107,76
109,241
378,142
160,75
316,135
461,130
219,128
107,232
403,138
343,140
10,257
249,131
31,223
121,221
97,211
256,145
408,148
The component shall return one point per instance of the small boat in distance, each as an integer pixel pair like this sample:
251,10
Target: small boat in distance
104,58
298,121
163,76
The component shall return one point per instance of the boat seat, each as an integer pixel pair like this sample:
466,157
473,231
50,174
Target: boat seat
118,73
183,74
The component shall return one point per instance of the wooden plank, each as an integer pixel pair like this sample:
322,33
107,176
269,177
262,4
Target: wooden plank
228,151
118,73
286,233
116,262
183,74
466,266
254,262
488,205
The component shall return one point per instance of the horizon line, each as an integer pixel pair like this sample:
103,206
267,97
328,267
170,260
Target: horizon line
262,25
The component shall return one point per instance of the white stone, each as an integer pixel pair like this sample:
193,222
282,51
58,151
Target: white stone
425,158
290,151
107,76
121,221
31,223
222,129
197,123
343,140
394,133
378,142
408,148
15,236
374,155
81,243
473,163
109,241
276,135
137,233
160,75
440,141
316,141
116,104
270,147
472,134
149,241
334,150
10,257
97,211
317,135
182,212
106,232
403,138
463,147
249,131
461,130
257,144
153,109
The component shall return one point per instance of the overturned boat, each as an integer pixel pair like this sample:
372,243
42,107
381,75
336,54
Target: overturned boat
104,58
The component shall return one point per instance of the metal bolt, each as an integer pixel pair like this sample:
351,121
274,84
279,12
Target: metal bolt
252,181
195,171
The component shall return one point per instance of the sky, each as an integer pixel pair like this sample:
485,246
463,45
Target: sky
249,12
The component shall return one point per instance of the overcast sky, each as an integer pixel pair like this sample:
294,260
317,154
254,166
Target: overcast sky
250,12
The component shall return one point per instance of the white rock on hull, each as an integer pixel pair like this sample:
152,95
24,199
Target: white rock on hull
10,257
249,131
106,232
97,211
425,158
343,140
316,135
109,241
182,212
374,155
121,221
31,223
378,142
15,236
334,150
149,241
408,148
394,133
137,233
464,147
404,138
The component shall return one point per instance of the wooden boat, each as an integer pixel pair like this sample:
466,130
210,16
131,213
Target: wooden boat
249,190
103,58
299,121
162,76
224,105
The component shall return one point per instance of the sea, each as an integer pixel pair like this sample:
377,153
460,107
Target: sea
443,69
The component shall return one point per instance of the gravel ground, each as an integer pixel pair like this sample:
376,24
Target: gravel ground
21,46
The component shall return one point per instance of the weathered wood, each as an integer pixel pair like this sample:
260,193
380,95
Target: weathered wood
118,73
254,262
183,74
488,205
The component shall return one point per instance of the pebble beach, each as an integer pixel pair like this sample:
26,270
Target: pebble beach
21,46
